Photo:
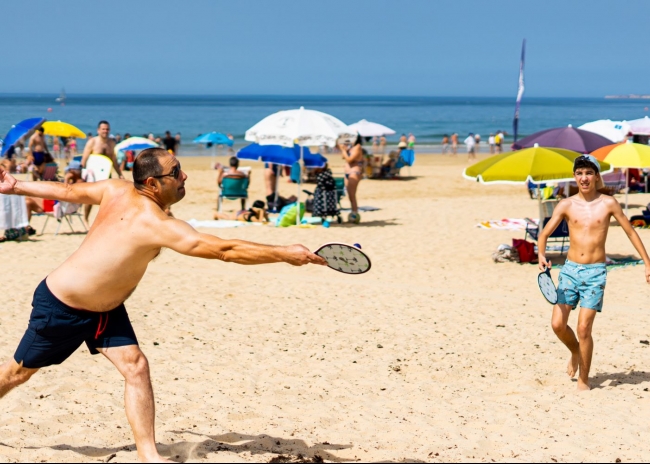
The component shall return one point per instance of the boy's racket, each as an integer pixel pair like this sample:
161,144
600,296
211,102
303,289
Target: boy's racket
547,286
345,258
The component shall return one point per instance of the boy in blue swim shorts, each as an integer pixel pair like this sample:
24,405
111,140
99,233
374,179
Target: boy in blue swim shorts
584,275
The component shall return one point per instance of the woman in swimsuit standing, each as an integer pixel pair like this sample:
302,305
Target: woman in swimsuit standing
353,171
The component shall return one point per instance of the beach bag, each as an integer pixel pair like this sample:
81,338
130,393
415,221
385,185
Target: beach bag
325,198
526,250
287,216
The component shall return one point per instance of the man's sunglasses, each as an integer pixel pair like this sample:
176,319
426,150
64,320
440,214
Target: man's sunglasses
176,174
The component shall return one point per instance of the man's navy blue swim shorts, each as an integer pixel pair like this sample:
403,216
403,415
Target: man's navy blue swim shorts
56,330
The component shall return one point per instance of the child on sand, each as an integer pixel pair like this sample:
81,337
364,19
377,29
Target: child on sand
584,275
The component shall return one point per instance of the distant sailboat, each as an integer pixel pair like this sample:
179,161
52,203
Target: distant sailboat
61,98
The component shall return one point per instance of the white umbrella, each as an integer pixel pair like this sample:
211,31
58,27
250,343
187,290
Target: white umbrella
307,128
640,126
616,131
135,143
371,129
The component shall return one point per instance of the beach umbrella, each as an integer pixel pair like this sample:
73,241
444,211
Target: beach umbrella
371,129
215,138
307,128
62,129
277,154
18,131
616,131
640,126
625,155
536,165
569,138
135,143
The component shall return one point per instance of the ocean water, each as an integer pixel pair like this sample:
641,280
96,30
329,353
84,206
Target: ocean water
428,118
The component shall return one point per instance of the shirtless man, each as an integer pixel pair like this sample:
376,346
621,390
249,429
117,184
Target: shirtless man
83,300
39,152
100,145
584,275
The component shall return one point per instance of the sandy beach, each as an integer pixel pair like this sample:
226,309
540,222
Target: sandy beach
437,354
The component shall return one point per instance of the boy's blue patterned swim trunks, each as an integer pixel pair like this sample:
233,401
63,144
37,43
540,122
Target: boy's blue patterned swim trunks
584,283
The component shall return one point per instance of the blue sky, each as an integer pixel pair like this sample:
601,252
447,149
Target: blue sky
361,47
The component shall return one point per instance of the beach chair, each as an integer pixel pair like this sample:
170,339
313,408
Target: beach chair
50,172
560,235
233,188
406,159
63,211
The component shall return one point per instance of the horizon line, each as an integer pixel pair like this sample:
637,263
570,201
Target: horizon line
42,94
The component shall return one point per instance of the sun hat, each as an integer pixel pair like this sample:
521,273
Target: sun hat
402,145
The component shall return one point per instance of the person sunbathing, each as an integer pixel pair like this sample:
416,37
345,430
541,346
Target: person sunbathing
257,213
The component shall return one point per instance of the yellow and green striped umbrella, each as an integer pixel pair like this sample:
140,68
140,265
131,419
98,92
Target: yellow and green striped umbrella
536,164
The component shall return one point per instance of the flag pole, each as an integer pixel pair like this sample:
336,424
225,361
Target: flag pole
520,91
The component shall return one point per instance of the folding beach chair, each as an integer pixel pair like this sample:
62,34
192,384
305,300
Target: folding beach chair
233,188
559,235
63,211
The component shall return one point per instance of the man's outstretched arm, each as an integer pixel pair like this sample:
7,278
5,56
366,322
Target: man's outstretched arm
183,238
632,235
86,193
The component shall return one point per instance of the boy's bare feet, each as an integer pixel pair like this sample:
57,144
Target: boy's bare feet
583,386
572,367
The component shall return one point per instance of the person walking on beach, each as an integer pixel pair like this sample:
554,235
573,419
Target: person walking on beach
411,142
353,173
170,143
100,145
498,142
382,145
477,138
454,143
470,143
491,143
584,276
39,152
445,144
83,299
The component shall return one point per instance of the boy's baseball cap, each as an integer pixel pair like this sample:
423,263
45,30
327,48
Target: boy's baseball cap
596,165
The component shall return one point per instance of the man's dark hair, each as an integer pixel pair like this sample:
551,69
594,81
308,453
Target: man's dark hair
147,164
103,122
167,133
358,141
234,162
583,162
41,130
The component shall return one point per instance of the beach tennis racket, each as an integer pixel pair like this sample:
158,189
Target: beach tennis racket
345,258
547,286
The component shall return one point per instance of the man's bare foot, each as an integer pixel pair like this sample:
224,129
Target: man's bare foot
583,386
572,367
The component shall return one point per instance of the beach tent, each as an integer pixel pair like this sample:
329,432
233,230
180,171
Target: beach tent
536,165
371,129
616,131
568,138
306,128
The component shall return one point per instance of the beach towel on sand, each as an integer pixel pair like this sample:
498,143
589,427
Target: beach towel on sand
503,224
